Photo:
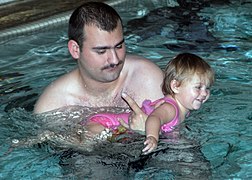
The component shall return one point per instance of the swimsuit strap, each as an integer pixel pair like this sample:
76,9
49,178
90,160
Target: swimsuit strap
148,107
175,105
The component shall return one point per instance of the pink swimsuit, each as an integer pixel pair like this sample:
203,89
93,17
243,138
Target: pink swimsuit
110,120
148,108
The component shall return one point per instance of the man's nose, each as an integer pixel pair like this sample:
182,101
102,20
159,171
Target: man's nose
113,57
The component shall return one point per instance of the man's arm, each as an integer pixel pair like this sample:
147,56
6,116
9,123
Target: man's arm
49,100
138,117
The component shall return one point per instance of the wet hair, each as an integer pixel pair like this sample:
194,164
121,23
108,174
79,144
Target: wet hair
97,14
183,67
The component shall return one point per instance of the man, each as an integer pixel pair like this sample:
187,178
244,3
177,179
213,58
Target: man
104,70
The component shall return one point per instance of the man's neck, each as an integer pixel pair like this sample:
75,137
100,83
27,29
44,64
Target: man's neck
100,89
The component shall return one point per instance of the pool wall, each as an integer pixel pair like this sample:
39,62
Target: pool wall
29,16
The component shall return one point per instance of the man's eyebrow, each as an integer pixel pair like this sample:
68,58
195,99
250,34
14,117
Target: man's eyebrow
108,47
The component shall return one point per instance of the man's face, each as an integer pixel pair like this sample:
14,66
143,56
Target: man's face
103,54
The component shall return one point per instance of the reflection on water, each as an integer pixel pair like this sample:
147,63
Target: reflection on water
56,134
221,129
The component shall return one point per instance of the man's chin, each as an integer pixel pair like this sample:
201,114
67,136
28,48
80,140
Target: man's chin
110,79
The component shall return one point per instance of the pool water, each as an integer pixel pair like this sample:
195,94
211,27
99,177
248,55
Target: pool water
220,33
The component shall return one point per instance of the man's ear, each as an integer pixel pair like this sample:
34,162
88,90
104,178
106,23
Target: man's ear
74,49
175,86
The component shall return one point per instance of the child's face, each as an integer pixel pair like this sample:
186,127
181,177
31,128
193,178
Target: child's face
193,93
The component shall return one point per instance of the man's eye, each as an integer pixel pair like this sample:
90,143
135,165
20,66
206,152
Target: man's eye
119,46
101,51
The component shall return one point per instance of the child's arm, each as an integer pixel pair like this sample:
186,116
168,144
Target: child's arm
152,129
163,114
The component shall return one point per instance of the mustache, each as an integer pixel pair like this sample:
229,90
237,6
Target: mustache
112,65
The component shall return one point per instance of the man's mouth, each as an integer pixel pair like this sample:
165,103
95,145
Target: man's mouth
112,66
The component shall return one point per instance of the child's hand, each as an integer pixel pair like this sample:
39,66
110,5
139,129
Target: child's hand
151,144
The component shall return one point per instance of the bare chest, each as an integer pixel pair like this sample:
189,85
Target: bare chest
98,101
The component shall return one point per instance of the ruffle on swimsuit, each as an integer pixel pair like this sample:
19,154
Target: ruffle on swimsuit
110,120
148,107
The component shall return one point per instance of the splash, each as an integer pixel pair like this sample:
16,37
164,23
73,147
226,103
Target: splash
111,154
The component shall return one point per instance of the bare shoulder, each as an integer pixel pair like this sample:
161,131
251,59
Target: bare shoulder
146,78
139,59
51,97
140,64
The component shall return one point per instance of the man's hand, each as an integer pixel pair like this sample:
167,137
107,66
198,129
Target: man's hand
137,118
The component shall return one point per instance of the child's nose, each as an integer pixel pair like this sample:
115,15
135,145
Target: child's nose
204,92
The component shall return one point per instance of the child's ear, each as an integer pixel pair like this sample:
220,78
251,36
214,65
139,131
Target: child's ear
175,86
74,49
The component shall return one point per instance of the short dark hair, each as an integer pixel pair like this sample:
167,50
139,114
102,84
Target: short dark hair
92,13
